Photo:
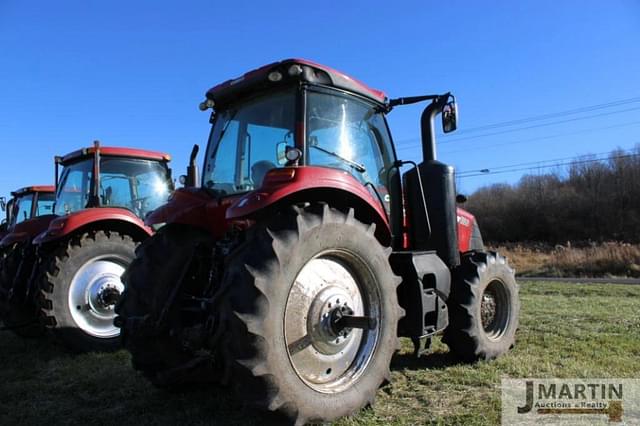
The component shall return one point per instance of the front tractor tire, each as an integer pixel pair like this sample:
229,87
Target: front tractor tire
157,351
483,307
287,287
79,286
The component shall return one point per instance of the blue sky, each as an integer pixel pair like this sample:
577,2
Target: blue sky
132,73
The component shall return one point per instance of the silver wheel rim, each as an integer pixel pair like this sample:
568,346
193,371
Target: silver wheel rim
495,309
325,361
92,294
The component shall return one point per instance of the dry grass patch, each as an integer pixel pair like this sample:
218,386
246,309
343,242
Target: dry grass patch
607,260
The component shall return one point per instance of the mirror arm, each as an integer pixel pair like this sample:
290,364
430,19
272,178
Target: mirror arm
427,126
192,170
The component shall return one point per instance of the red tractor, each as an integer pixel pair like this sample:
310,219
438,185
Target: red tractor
69,278
304,255
29,212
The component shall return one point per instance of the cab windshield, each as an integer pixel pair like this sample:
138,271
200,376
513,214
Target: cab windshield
134,184
346,133
22,208
244,141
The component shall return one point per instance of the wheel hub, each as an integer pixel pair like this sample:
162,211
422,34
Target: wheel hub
104,294
93,293
488,309
495,309
325,324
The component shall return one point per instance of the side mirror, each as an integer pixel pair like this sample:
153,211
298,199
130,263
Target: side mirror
461,199
450,117
287,155
3,203
281,153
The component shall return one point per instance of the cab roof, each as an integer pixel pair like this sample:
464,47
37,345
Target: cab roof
306,70
32,189
114,152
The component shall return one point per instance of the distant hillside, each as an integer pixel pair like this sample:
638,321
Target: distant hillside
588,200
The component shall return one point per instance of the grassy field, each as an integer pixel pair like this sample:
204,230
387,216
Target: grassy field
566,330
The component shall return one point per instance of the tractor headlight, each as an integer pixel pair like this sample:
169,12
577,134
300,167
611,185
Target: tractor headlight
275,76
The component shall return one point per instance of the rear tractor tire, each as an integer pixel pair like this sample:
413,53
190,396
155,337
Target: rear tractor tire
18,314
80,283
483,307
286,287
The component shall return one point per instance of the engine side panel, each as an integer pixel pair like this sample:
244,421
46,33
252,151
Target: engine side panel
425,288
466,224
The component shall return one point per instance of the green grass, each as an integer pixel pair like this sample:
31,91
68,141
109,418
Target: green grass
566,330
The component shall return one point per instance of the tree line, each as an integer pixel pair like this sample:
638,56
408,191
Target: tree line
585,201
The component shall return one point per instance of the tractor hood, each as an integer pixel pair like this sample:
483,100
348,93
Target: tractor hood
193,206
28,229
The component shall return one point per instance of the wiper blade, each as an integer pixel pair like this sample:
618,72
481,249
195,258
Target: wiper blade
357,166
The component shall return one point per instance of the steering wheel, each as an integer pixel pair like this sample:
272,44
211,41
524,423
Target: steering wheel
138,205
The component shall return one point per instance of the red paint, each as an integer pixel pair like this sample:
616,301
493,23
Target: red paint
196,207
465,229
49,189
27,230
262,72
279,184
116,152
65,225
374,93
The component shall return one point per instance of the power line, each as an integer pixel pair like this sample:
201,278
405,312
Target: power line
540,163
557,135
551,165
553,115
534,126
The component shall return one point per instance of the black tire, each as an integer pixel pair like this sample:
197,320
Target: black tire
56,279
482,276
259,280
159,264
19,314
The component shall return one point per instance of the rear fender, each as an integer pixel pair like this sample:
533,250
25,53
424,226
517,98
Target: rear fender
95,218
289,185
27,230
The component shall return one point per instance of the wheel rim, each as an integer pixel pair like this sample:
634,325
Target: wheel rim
326,360
495,309
93,293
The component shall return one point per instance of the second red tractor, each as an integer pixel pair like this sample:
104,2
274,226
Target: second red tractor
68,275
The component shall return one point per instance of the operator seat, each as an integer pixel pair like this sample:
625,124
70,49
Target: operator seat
259,170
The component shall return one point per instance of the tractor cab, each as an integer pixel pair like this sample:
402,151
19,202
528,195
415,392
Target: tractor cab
131,179
26,204
300,114
30,202
301,125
